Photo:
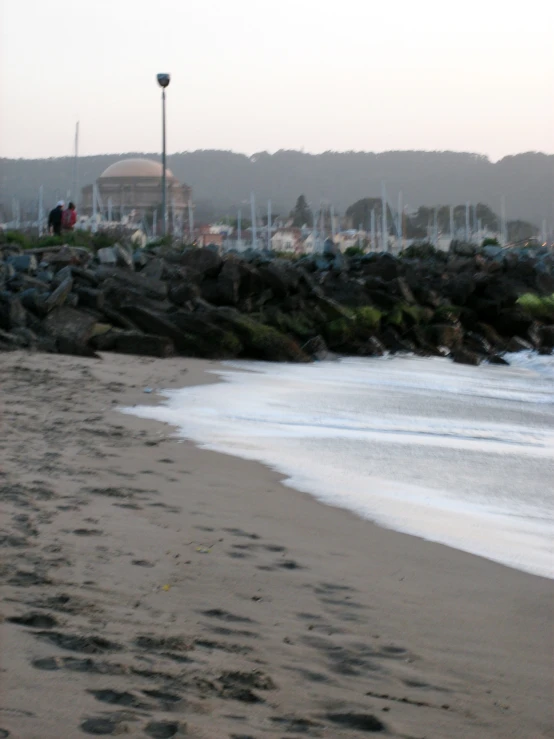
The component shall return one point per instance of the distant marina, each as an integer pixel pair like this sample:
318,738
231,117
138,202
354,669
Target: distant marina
127,195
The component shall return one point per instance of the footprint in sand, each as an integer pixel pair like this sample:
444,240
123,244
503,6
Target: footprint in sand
357,721
100,726
165,729
23,579
34,621
120,698
240,532
88,532
226,616
85,644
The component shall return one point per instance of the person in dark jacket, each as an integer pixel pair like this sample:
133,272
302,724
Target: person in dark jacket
55,219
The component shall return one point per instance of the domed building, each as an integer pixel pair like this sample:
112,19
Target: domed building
135,185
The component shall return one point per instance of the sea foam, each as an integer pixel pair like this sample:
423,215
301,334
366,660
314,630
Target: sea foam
459,455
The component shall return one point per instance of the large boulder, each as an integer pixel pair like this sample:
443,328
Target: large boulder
26,263
58,296
444,334
118,294
154,323
89,297
385,266
12,312
237,281
260,341
476,343
203,337
381,298
107,255
72,330
459,287
7,271
280,277
464,356
147,286
205,261
395,342
547,336
154,269
462,248
183,292
517,344
316,348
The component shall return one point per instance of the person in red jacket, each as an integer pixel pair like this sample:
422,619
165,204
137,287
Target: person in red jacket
69,217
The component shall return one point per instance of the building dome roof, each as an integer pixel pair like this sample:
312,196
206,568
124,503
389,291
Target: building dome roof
135,168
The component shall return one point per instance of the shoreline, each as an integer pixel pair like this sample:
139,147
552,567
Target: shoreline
259,585
238,377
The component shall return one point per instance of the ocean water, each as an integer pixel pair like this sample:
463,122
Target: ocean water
454,454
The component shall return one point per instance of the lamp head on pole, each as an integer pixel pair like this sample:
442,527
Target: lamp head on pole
163,80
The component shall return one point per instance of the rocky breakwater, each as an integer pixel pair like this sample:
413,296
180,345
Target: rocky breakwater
470,304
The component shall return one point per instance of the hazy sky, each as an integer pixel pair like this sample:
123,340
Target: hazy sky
253,75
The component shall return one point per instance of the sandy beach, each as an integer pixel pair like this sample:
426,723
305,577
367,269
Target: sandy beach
153,589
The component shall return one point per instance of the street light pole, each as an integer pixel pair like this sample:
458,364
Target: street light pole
164,178
163,82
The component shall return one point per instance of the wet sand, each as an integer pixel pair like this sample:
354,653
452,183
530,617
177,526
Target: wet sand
152,589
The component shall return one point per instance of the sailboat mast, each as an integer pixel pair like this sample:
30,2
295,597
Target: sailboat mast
384,226
400,224
373,231
269,225
253,216
191,221
75,179
503,229
40,210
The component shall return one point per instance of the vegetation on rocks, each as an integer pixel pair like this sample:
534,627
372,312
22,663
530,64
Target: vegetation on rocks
539,307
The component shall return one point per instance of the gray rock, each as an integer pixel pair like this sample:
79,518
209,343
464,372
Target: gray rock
58,296
464,356
107,255
204,260
462,249
150,288
71,328
547,336
493,252
124,257
89,297
517,344
45,275
183,293
33,300
23,263
7,271
497,359
444,334
12,312
154,269
316,348
140,258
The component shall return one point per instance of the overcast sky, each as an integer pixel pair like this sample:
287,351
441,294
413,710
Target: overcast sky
253,75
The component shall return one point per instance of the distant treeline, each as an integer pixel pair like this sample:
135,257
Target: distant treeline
222,180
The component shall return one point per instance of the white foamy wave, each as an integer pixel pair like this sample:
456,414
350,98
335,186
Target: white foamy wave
458,455
532,362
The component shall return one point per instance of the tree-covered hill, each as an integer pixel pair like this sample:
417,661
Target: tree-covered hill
222,180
